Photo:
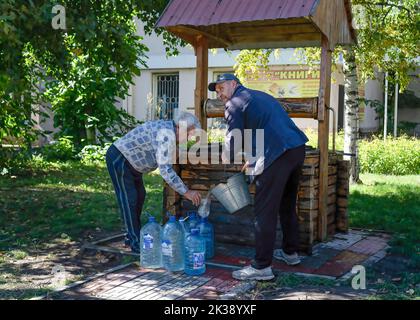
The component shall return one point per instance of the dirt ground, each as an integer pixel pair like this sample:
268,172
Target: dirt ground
50,266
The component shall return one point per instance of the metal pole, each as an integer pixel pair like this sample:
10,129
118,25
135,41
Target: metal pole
386,106
396,111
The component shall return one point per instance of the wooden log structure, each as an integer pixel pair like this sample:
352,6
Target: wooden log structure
238,228
343,176
295,107
323,135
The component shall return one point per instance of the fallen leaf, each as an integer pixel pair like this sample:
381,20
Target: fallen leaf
410,292
396,279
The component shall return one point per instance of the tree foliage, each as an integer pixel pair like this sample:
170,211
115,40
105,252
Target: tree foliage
388,37
388,34
79,70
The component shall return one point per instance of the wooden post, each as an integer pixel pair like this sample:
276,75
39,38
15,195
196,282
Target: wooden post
202,53
323,133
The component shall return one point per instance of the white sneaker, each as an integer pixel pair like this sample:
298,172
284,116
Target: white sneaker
250,273
290,259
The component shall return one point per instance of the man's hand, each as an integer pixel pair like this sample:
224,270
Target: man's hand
225,159
194,196
246,166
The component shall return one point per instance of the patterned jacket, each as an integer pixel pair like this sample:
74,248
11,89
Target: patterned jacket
151,146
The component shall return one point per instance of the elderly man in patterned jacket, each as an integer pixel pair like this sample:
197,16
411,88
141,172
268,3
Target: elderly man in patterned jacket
144,149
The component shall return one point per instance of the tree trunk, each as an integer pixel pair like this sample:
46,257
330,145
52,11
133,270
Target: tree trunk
351,114
90,129
90,134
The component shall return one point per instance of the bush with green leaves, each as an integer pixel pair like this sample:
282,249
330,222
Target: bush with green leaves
397,156
93,154
312,135
62,149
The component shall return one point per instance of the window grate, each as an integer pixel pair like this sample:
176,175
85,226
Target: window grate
167,95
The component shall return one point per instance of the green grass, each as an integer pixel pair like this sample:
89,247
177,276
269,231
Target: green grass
405,288
63,202
389,203
18,254
292,280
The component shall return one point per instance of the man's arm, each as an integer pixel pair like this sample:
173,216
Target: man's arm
235,120
169,175
175,182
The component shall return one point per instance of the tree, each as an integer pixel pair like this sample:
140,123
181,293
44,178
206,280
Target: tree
351,114
83,68
388,38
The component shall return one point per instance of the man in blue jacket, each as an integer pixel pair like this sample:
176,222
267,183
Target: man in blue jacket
276,172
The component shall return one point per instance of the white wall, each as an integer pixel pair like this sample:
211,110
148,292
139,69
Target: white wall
373,91
408,114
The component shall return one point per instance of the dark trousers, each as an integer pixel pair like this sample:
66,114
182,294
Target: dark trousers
130,192
276,194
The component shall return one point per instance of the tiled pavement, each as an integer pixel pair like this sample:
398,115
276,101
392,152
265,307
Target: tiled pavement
333,259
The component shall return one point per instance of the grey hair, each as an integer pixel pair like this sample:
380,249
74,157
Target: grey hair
188,118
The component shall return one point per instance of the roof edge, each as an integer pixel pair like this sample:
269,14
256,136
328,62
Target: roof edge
314,6
349,13
162,14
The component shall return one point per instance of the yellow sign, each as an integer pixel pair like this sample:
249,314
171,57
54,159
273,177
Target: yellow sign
289,81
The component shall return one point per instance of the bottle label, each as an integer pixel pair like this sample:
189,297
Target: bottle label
167,248
198,260
148,241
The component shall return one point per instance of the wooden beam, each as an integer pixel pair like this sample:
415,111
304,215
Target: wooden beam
323,133
202,53
295,107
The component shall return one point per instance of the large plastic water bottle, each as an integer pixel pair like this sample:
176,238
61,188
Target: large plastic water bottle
173,245
185,226
207,232
192,220
195,254
150,245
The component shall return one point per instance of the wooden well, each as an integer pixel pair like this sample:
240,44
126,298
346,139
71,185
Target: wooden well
238,228
269,24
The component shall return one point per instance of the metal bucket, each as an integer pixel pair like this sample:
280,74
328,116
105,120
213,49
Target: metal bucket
233,195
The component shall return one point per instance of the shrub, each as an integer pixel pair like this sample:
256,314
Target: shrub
93,154
62,150
312,135
18,162
397,156
216,135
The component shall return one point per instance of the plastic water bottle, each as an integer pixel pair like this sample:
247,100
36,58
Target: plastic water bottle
185,226
150,245
173,245
192,220
195,254
207,232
